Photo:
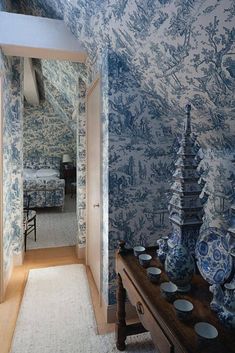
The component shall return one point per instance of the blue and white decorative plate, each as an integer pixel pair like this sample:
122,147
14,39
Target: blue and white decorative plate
213,260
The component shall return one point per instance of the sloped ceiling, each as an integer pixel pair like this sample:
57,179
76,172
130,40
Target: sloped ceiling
57,83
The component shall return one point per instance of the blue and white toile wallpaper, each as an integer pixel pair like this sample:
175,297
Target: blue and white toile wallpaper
154,57
64,76
45,134
11,70
58,84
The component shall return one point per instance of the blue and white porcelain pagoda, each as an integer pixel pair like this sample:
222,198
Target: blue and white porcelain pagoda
186,211
186,207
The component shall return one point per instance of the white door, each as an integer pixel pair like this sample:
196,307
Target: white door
93,181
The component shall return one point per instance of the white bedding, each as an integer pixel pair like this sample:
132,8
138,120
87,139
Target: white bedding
43,173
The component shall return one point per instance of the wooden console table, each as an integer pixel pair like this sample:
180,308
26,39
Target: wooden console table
169,334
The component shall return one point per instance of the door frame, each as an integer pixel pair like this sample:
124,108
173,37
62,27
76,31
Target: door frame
90,88
74,56
2,289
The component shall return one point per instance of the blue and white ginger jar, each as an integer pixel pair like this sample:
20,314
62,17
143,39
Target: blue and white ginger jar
179,266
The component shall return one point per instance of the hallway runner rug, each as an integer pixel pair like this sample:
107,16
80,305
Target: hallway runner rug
56,316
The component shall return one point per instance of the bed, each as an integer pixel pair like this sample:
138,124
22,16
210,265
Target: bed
42,182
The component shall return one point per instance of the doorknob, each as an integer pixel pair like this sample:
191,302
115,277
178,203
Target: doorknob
96,205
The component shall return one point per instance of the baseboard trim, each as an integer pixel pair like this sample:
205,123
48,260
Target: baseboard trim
80,252
7,276
15,260
18,259
110,312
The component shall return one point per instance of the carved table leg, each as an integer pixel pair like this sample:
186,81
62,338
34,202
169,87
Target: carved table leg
121,316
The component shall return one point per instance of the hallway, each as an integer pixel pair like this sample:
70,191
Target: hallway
40,258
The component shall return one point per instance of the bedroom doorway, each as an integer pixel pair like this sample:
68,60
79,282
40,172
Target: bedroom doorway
61,46
50,150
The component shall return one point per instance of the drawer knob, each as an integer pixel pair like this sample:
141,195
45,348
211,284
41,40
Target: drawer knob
140,308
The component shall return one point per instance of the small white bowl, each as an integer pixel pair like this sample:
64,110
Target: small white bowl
168,290
138,250
145,259
154,274
205,331
183,308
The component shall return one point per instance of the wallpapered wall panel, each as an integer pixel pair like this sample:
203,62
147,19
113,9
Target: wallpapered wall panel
52,75
64,76
161,54
81,162
45,134
11,70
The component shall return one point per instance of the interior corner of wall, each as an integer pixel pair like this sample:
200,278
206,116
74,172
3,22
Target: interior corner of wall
81,251
7,272
18,258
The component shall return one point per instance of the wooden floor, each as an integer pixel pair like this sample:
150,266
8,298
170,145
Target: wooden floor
38,259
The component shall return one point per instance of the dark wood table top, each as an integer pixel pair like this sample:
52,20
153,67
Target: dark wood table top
165,313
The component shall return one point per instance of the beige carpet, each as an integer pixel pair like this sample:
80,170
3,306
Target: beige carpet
56,316
55,228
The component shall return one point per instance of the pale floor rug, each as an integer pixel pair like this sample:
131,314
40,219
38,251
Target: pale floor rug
56,316
54,227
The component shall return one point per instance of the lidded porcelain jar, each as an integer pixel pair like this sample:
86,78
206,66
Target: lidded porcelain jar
179,266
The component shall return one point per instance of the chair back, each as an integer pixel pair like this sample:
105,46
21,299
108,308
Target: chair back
27,203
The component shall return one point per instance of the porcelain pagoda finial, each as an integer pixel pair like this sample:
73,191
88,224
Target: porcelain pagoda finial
188,120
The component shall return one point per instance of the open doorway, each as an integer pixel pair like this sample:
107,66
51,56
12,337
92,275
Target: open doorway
50,121
59,45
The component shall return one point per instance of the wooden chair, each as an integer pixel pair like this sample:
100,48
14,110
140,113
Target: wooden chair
29,221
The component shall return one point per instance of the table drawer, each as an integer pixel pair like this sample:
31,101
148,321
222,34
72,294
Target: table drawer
146,317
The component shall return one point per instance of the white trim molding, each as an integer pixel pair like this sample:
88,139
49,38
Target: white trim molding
80,252
38,37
